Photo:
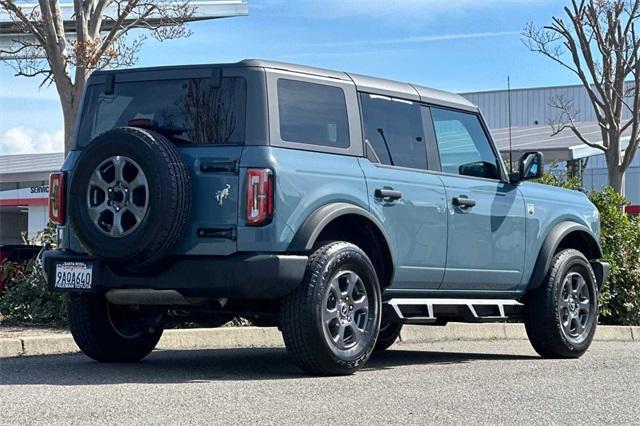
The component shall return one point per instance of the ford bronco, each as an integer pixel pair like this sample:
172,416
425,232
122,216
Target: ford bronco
335,206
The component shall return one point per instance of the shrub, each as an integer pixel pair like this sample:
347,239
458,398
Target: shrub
26,298
562,182
620,240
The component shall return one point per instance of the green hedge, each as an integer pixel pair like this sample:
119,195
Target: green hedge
620,240
26,298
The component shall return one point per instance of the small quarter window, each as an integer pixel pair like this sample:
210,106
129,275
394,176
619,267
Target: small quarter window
314,114
393,128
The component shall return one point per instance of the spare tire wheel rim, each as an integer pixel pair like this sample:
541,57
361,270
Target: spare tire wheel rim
118,196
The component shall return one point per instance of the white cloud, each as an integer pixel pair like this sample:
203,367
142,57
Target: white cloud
409,40
25,140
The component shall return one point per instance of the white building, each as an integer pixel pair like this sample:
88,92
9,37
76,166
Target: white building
24,194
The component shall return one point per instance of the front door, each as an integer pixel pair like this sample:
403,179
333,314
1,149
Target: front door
486,216
410,199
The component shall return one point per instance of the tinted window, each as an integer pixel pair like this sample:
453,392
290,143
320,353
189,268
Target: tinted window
191,111
394,130
463,144
312,113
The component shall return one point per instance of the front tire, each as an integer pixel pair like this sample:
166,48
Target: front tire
110,333
562,314
330,322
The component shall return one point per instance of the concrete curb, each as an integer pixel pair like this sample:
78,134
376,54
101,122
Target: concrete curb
254,337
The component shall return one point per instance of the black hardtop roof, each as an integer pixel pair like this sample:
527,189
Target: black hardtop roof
364,83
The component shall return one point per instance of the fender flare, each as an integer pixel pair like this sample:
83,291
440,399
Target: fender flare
551,244
308,233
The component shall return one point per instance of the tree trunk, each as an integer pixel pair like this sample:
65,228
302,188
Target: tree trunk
616,177
70,105
615,171
68,113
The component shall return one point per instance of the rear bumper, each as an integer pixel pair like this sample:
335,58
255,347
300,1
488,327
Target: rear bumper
247,275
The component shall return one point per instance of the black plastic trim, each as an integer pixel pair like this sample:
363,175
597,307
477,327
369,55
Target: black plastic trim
550,246
218,166
415,293
601,271
308,233
246,275
227,233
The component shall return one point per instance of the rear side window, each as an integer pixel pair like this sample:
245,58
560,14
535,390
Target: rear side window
394,129
463,144
311,113
189,110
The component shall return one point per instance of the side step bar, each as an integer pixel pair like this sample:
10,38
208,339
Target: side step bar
473,310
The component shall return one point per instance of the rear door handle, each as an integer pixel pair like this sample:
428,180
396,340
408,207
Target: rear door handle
463,202
387,194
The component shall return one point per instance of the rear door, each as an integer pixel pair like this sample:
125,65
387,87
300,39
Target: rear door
216,197
486,215
401,190
220,113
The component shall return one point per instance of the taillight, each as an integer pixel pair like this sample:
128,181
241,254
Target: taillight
56,198
259,196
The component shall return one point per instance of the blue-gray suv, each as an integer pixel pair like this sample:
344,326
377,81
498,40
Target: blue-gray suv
335,206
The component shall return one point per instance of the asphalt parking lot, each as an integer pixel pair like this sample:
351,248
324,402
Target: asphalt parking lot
449,382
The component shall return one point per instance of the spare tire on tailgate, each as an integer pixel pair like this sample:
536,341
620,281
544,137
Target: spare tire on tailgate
130,196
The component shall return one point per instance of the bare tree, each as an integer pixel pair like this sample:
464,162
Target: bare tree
598,43
103,37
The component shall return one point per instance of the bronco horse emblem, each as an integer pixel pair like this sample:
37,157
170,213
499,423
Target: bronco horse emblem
223,194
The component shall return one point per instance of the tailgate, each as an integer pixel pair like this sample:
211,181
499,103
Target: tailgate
215,200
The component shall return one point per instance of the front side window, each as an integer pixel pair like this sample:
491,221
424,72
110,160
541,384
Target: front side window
393,128
314,114
463,144
190,111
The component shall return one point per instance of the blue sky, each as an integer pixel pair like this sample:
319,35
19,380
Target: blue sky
456,45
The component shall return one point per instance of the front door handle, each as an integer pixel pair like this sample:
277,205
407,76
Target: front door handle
387,194
463,202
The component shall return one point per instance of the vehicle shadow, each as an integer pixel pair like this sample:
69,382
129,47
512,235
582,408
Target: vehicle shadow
202,366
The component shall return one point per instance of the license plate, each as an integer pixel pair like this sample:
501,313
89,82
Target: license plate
74,276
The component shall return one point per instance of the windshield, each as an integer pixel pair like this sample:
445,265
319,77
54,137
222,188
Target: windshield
188,110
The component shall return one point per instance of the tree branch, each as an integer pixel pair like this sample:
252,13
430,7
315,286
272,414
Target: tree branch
566,120
16,11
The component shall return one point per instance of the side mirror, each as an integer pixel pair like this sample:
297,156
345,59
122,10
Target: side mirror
479,169
530,167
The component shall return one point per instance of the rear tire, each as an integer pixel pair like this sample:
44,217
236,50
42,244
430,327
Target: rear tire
109,333
562,314
388,335
331,321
